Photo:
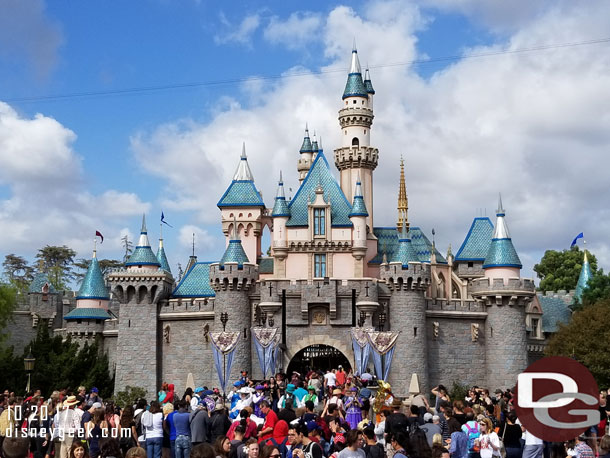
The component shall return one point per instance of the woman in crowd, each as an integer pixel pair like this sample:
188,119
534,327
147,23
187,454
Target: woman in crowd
169,430
400,443
78,450
511,433
489,442
152,420
94,430
222,446
188,395
352,407
604,447
268,451
127,422
252,448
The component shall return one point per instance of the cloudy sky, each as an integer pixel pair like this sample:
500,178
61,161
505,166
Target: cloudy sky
113,109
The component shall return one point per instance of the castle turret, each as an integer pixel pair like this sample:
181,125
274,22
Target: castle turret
280,215
584,277
408,279
506,296
45,302
162,258
403,202
243,203
369,87
356,157
87,319
140,289
306,156
232,279
358,218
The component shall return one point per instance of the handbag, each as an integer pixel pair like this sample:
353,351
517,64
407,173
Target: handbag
502,448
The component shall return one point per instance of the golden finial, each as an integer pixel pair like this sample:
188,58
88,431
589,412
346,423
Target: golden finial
403,202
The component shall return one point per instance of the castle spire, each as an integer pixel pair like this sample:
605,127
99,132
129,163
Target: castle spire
358,205
235,251
243,172
162,258
355,85
93,285
403,202
280,208
501,252
367,82
583,278
143,254
405,252
306,146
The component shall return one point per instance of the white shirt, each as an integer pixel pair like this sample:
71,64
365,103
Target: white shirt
153,423
486,441
529,438
331,379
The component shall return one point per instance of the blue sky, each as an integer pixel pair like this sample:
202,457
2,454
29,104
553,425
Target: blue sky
468,128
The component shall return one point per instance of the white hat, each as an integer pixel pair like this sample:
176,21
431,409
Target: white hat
427,417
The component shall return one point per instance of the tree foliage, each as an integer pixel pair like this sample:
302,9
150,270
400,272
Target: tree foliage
8,301
586,339
597,290
129,396
559,270
17,272
105,265
58,262
59,364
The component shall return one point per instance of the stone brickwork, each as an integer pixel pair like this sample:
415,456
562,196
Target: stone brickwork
20,331
464,271
452,355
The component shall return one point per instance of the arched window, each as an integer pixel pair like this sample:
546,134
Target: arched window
355,141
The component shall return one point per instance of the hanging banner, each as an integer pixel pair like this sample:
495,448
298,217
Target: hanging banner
265,342
382,347
362,348
223,347
276,352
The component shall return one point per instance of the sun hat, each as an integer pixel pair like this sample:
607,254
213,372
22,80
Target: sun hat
244,390
70,401
290,388
336,392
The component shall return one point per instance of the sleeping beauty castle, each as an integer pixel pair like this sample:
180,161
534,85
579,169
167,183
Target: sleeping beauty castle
334,289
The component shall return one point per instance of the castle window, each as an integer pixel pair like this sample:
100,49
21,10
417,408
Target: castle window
470,264
319,265
319,221
355,102
535,326
355,141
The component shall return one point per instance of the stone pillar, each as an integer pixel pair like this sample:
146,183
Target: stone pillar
407,314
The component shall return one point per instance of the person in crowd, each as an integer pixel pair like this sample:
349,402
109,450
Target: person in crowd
94,430
337,399
353,409
400,443
169,429
269,451
458,412
380,426
219,423
472,431
202,451
311,396
341,377
127,422
181,421
270,421
418,444
533,446
222,446
139,452
414,421
420,401
489,442
396,421
162,393
372,449
353,443
110,448
169,397
604,447
511,433
152,421
431,426
141,406
93,396
330,380
244,401
238,441
78,450
557,450
441,395
188,395
303,446
257,397
582,449
458,445
251,450
111,415
280,438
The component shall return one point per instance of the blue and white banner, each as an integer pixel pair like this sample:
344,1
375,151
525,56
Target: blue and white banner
266,342
382,347
362,348
223,347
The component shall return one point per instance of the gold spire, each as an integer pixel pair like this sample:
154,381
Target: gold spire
403,202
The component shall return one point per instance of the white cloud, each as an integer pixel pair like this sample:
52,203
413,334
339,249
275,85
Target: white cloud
47,196
241,34
534,126
203,240
296,32
26,30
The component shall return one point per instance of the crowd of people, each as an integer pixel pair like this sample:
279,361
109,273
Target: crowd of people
314,415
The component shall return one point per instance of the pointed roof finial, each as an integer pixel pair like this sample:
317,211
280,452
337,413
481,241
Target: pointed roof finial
355,66
243,172
584,277
243,150
403,202
143,229
193,253
306,146
500,209
280,207
354,49
320,143
501,252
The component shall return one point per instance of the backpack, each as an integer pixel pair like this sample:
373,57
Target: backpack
281,446
375,451
472,435
138,420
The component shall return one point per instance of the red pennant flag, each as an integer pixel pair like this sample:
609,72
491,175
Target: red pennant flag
99,234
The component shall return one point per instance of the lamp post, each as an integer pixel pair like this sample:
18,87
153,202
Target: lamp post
28,363
224,317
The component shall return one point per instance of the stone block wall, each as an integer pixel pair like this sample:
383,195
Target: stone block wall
20,331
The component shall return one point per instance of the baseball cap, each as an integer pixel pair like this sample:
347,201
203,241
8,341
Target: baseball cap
427,417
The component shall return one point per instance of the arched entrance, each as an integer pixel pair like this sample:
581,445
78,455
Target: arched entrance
317,356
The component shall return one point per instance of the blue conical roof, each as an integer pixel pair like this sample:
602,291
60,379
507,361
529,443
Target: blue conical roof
143,254
280,208
234,253
93,285
501,252
355,86
367,82
242,191
40,279
306,147
162,258
358,207
583,279
405,252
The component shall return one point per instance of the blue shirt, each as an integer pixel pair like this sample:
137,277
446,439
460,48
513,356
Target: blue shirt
459,445
181,423
172,427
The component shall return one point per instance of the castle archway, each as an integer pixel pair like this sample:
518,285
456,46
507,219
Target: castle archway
323,349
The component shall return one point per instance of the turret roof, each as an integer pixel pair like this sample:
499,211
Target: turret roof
583,278
87,313
405,252
196,282
162,258
242,192
143,254
280,207
306,146
554,311
93,285
355,86
476,244
387,241
320,173
40,279
367,82
358,207
501,252
234,253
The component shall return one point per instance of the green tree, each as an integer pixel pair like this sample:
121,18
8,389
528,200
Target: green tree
105,265
585,338
560,269
129,396
18,272
128,246
8,301
597,290
58,261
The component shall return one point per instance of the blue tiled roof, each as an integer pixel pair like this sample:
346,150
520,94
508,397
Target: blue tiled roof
369,86
387,239
234,253
142,256
163,260
241,193
306,146
359,208
354,86
502,253
314,146
405,252
93,285
40,279
477,241
196,282
265,265
280,208
423,246
83,313
554,311
339,206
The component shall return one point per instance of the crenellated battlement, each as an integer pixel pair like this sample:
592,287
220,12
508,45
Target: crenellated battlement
349,157
232,277
500,291
356,116
414,277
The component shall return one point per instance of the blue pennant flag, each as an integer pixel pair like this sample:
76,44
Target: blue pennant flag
579,236
163,220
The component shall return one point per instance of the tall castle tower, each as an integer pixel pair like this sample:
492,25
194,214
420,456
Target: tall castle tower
139,288
506,296
356,157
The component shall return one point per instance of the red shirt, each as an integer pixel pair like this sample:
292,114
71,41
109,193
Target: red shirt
341,376
270,421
